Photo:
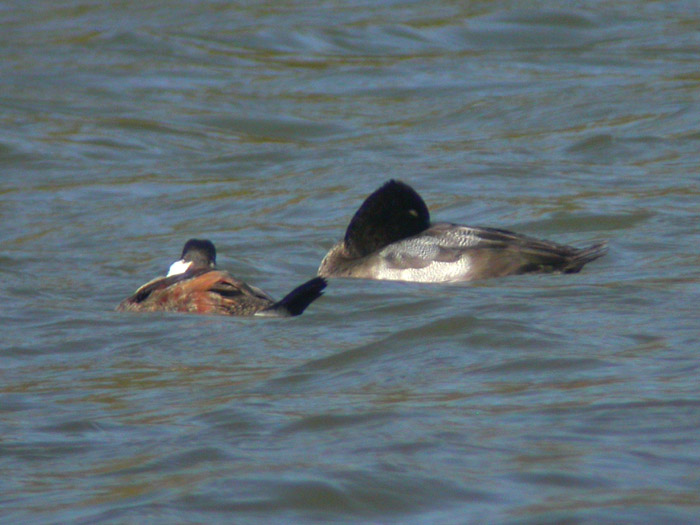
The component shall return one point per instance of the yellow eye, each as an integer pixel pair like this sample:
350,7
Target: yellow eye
413,212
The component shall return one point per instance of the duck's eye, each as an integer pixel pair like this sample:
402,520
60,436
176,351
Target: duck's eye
413,212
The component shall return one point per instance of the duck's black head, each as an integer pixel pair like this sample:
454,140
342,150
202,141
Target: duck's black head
200,252
196,255
393,212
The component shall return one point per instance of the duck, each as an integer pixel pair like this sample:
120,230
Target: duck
391,237
194,284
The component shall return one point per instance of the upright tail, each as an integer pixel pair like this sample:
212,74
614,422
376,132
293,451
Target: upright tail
296,301
585,256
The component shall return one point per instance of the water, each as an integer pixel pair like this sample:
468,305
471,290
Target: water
128,128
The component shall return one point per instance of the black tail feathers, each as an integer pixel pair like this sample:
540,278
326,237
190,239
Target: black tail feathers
296,301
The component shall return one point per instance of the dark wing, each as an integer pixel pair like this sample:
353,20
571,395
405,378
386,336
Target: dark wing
230,287
537,254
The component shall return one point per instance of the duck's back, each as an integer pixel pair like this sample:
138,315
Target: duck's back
450,253
209,292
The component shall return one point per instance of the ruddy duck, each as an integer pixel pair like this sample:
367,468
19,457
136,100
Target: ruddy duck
390,237
194,284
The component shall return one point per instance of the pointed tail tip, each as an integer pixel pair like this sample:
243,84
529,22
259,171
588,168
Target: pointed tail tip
593,252
586,255
296,301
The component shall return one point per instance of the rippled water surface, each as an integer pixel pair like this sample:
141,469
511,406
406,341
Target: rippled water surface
129,127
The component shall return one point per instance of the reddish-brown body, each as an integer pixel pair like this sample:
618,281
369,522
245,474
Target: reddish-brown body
211,292
199,287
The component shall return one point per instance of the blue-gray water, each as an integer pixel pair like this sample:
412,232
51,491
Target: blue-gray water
129,127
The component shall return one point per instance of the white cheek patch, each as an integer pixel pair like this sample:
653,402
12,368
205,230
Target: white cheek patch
179,267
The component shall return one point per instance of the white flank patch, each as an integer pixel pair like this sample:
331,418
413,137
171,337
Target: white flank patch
179,267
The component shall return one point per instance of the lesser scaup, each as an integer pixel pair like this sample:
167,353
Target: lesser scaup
194,284
390,237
